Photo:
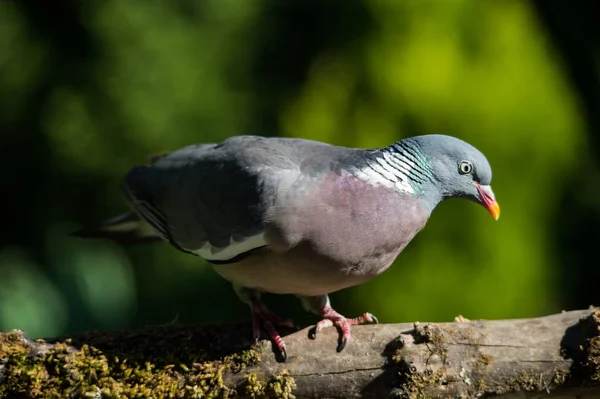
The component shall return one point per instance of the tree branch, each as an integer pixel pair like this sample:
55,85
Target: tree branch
553,356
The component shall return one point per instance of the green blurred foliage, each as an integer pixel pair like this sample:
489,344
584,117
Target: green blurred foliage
87,99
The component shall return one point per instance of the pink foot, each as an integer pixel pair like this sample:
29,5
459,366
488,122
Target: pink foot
333,318
263,318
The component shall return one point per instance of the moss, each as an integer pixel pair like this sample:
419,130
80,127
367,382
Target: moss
42,370
593,363
435,339
586,366
525,382
479,386
481,361
412,383
253,387
584,371
281,386
438,338
560,377
581,343
421,385
278,386
592,347
532,381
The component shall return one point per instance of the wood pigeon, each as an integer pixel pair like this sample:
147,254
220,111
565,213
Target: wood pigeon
294,216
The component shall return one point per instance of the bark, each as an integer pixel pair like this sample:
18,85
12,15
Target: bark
553,356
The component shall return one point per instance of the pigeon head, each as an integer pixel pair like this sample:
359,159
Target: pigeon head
458,170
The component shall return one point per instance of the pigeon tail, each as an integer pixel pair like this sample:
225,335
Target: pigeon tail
125,229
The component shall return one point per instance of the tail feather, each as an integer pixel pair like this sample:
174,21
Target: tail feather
125,229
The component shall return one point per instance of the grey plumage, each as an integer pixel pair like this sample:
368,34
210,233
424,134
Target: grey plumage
128,228
216,194
301,217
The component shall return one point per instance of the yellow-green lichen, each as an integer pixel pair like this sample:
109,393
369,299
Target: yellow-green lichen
526,382
253,387
594,359
132,366
593,349
279,386
586,368
560,377
435,339
472,340
439,340
412,383
422,385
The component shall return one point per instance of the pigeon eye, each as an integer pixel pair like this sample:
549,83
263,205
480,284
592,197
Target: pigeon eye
465,167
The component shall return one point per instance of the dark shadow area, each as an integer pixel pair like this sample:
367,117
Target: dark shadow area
575,35
168,344
581,344
171,344
388,384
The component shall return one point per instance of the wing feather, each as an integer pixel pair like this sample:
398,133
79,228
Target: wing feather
211,199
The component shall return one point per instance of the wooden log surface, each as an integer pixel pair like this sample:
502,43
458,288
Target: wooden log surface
554,356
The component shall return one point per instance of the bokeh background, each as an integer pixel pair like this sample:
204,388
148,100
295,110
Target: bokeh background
89,89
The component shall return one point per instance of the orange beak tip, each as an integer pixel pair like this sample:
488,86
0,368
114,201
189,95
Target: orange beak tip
494,210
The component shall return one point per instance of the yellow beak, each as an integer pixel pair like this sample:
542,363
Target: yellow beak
489,200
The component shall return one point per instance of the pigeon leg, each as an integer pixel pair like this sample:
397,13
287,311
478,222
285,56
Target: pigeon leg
320,305
261,316
264,319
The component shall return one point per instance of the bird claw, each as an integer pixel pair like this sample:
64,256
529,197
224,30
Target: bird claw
341,344
343,324
282,354
263,318
319,326
461,319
